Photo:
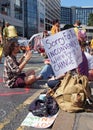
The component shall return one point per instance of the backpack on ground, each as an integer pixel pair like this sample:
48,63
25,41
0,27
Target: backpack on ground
72,93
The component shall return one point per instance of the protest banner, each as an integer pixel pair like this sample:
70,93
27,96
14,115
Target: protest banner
63,50
38,43
38,122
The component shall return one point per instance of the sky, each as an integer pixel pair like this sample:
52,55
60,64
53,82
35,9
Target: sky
69,3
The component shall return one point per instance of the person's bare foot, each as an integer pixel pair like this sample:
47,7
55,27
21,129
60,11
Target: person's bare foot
39,77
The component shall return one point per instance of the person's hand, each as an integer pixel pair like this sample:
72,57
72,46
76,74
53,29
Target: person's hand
28,55
47,61
25,54
52,78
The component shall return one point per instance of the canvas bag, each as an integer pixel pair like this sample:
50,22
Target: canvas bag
72,93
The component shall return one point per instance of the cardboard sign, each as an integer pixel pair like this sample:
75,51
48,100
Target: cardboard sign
38,122
63,50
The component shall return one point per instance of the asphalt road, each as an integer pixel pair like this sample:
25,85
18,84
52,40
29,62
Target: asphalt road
14,103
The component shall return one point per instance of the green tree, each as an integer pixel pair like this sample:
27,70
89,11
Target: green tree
90,19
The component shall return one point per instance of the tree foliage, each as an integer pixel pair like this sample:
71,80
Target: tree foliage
90,19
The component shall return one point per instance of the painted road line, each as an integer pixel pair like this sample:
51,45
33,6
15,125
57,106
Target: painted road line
18,109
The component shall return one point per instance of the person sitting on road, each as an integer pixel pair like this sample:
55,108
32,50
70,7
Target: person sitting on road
1,45
47,71
13,75
90,62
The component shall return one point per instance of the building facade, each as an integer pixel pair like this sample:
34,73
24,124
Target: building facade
41,16
82,13
70,14
11,11
52,11
66,15
29,16
22,14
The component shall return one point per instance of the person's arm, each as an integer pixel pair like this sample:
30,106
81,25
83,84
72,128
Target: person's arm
60,77
21,59
1,39
13,67
57,78
57,29
26,59
22,65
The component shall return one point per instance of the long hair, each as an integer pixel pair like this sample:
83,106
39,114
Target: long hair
9,46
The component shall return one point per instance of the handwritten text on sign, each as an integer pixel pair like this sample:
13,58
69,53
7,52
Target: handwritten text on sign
63,50
38,122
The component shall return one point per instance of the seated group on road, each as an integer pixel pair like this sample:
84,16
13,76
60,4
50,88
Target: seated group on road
13,68
85,68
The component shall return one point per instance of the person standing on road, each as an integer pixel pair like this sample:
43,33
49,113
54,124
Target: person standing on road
1,45
77,23
13,75
9,32
56,27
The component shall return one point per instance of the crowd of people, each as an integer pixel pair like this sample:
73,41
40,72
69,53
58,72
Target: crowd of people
14,76
87,57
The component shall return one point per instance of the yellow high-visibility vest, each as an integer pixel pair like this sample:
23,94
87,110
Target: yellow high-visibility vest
91,44
11,31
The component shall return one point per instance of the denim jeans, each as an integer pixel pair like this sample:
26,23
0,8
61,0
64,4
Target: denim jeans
47,72
53,83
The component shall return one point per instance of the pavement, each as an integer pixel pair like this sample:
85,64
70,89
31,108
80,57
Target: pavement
14,105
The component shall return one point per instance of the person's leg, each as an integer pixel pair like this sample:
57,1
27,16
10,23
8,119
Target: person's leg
1,51
30,72
46,72
19,82
0,59
30,79
53,83
24,81
90,75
